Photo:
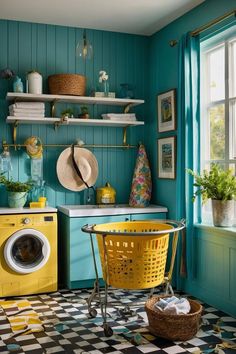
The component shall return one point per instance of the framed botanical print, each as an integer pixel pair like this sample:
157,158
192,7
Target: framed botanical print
167,157
166,103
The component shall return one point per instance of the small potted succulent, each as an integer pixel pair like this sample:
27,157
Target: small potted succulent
84,112
220,186
69,113
17,192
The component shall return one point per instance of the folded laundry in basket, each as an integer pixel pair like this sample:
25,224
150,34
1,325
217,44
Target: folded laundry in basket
173,305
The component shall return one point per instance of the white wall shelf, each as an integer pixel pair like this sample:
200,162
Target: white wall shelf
73,121
13,96
53,99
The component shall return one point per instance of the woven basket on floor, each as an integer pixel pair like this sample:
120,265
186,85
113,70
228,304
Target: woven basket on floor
173,327
67,84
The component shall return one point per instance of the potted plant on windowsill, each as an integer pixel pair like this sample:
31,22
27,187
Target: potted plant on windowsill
220,186
17,192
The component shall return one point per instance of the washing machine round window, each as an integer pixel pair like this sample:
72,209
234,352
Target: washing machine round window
26,251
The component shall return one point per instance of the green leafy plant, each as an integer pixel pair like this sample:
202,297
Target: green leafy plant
68,112
215,184
84,109
84,112
12,186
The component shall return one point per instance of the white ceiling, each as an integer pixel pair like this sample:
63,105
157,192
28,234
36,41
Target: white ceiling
129,16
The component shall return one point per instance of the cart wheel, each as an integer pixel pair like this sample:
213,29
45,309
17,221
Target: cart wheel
93,312
107,330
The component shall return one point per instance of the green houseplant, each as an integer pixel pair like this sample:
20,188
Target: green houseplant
220,186
17,192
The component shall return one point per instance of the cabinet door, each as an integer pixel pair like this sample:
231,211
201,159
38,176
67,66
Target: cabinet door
81,259
148,216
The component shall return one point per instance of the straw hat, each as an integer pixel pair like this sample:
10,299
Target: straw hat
86,163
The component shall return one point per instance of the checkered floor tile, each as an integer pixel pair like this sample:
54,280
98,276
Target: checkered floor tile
69,329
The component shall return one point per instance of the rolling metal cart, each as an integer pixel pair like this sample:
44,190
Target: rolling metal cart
133,255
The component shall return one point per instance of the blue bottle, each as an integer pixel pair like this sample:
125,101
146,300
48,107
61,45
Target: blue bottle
18,85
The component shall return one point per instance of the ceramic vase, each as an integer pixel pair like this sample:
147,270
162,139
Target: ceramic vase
17,199
223,212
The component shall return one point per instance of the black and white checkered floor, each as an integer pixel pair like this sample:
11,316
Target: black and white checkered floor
67,328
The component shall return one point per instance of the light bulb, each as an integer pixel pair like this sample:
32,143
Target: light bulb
84,48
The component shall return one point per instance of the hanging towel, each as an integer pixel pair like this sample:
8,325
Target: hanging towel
141,188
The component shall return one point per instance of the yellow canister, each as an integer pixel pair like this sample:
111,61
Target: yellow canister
106,195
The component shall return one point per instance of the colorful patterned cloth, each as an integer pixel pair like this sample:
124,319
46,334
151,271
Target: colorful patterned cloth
142,183
22,318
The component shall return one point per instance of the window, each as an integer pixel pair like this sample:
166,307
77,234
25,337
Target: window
218,105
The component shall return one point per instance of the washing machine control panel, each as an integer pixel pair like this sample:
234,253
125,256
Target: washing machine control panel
26,221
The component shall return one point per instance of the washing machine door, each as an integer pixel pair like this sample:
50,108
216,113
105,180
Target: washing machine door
26,251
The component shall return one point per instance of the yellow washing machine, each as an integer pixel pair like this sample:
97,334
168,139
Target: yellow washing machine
28,253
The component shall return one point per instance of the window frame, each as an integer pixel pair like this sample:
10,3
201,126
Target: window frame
205,104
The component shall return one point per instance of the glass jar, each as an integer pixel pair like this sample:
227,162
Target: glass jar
105,88
18,85
126,91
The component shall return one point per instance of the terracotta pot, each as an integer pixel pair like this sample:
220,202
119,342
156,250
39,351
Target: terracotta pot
223,212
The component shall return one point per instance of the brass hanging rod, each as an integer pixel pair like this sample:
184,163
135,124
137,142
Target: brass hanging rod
195,32
19,146
212,23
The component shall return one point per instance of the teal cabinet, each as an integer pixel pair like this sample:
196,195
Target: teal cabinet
213,277
151,216
76,264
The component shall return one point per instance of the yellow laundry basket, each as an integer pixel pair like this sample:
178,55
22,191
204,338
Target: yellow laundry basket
131,256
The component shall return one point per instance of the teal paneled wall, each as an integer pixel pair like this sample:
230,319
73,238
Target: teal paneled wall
164,76
51,49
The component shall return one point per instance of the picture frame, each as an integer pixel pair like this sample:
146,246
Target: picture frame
167,157
166,103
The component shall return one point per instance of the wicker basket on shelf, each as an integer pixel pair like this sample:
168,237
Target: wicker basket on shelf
67,84
173,327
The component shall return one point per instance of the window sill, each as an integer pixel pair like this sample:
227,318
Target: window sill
230,231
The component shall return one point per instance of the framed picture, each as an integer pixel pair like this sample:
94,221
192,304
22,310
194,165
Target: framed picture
167,157
166,103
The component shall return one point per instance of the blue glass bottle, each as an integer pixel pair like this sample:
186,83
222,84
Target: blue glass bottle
126,91
18,85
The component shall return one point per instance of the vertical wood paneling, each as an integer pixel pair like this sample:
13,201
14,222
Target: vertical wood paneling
51,49
232,274
49,155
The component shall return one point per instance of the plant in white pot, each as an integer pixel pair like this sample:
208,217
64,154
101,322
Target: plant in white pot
17,192
220,186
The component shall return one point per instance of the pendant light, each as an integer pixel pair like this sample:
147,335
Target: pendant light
84,49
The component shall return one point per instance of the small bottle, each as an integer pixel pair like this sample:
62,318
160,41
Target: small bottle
18,85
5,162
37,169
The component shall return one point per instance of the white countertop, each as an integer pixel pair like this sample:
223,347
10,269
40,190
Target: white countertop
5,211
119,209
